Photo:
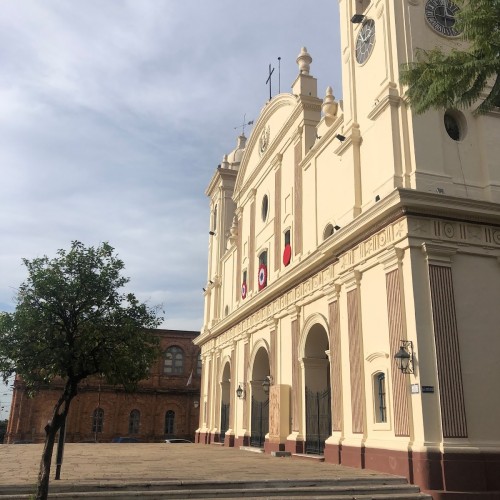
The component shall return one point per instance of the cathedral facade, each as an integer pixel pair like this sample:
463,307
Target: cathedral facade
351,309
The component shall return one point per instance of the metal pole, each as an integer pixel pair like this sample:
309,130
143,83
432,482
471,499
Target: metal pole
279,75
60,449
98,413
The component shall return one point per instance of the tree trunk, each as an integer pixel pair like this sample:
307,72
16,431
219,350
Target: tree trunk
44,474
50,436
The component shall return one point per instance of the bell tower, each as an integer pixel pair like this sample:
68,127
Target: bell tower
441,151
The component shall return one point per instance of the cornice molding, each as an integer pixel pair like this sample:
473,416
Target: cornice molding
221,174
392,222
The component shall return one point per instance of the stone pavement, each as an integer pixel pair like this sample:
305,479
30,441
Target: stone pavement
129,462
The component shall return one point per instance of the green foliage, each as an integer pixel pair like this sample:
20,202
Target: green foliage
460,78
72,321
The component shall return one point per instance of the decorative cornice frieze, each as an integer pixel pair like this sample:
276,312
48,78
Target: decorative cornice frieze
380,236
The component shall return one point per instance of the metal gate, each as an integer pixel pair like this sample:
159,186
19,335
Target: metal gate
260,422
318,420
224,420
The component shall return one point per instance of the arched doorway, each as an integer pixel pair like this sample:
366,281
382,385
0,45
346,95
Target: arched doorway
225,401
318,411
259,426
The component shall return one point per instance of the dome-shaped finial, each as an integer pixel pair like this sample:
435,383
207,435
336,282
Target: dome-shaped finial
304,60
330,105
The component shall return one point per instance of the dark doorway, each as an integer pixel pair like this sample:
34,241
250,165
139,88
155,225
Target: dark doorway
318,420
224,420
260,422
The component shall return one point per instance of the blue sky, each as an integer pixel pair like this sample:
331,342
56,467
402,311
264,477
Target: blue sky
114,115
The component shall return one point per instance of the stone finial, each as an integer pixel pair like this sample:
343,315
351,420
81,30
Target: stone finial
242,140
304,60
330,105
225,163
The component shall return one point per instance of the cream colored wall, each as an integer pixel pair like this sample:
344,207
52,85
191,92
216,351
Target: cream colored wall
228,282
285,355
476,282
264,229
488,143
245,241
395,149
273,118
334,191
395,142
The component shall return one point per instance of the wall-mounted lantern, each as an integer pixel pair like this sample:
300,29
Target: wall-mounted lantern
404,357
267,383
240,392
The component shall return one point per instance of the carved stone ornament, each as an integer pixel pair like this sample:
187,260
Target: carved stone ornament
304,61
330,105
264,140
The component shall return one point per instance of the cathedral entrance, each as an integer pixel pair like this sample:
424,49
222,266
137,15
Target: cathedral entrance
225,402
317,391
260,400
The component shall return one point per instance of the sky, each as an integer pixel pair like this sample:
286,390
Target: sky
114,116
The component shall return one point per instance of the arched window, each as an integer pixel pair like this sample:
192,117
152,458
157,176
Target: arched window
287,249
170,422
198,366
379,397
133,422
97,420
174,361
265,207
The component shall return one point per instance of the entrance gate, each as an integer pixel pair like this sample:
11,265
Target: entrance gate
318,420
224,421
260,422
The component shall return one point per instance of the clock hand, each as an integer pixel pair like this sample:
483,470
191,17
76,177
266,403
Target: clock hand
448,14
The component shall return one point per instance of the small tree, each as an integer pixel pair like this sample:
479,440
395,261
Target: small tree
72,321
460,78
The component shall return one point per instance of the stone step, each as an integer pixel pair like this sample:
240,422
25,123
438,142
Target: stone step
152,495
162,485
229,490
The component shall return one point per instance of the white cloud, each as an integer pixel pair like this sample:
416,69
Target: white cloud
114,115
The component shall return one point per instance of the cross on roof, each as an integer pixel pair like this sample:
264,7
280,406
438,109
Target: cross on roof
244,124
271,71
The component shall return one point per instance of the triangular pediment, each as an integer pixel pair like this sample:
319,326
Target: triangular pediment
272,126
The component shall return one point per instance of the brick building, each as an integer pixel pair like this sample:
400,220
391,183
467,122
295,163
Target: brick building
164,405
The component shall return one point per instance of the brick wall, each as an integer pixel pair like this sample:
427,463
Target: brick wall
154,397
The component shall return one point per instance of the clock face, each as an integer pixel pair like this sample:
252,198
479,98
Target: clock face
440,14
365,41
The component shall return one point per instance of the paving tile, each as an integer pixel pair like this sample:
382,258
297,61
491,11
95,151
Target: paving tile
88,462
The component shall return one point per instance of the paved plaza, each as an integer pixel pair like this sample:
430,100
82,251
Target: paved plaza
162,462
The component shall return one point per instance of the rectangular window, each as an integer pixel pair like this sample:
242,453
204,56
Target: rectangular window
381,414
198,365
